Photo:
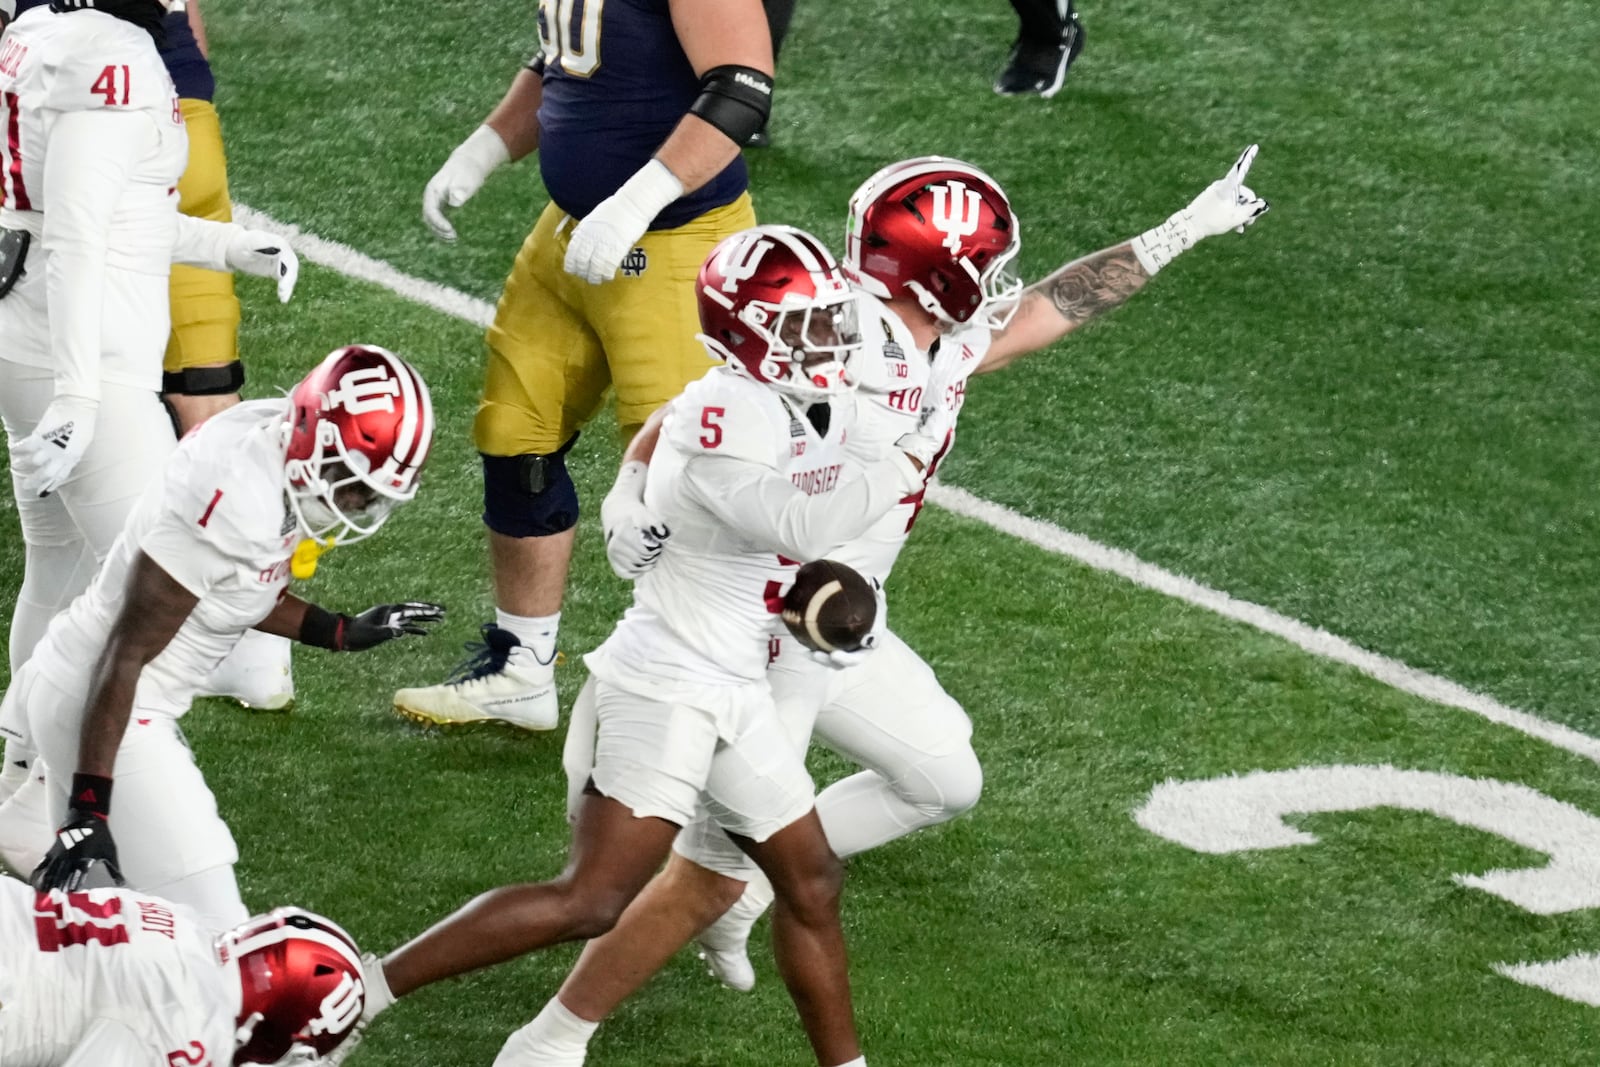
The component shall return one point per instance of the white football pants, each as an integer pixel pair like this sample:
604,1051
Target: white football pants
69,532
890,716
170,839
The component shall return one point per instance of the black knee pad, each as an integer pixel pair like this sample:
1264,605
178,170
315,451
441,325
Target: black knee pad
529,496
204,381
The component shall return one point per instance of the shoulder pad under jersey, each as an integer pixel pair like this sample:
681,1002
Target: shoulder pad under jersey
725,414
103,63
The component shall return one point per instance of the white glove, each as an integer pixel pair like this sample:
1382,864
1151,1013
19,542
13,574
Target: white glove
934,424
46,457
839,659
266,255
608,233
462,175
634,537
1227,204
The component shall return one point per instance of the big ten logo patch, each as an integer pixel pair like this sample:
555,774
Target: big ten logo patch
634,263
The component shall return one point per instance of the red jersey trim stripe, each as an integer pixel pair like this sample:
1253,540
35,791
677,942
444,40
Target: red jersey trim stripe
16,188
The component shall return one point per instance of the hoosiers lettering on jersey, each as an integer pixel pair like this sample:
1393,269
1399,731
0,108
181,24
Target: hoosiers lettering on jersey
817,480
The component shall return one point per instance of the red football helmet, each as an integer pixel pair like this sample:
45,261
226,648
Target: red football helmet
774,304
360,426
941,229
300,983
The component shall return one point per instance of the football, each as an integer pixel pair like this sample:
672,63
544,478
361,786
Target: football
829,607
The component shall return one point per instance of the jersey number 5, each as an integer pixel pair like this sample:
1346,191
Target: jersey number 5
570,32
106,85
711,421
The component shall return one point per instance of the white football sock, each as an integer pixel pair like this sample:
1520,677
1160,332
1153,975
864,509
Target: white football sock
859,1061
536,632
556,1037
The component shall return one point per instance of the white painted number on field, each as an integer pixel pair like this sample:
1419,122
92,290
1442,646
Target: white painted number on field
1246,812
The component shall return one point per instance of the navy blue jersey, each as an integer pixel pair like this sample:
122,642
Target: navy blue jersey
188,67
616,83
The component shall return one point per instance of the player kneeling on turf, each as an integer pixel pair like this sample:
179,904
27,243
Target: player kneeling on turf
204,557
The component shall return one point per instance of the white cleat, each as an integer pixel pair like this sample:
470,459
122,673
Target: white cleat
555,1038
257,673
503,681
526,1048
725,944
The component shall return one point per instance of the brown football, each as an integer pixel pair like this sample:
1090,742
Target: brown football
829,607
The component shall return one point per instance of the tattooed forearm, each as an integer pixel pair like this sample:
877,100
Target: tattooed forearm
1094,284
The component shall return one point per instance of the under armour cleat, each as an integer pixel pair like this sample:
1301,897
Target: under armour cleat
257,673
502,681
1039,69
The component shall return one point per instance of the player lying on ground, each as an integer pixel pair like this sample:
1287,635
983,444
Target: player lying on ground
205,556
684,711
947,313
117,978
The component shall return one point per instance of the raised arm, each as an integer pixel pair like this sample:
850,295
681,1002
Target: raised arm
1096,283
1057,305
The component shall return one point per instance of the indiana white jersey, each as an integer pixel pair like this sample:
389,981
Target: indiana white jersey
750,483
913,380
216,520
73,64
119,968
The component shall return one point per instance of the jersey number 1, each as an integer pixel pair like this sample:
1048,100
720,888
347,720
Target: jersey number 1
106,85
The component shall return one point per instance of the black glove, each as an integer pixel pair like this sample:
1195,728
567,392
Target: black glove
385,622
84,856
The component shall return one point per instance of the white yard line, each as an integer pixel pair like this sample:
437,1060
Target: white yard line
1051,538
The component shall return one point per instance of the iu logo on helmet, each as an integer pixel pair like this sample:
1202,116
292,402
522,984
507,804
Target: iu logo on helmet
956,212
340,1009
363,391
741,262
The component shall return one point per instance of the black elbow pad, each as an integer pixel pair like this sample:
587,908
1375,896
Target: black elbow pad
734,99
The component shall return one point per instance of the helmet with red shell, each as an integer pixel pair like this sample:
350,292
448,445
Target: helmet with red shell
300,983
360,426
941,230
776,307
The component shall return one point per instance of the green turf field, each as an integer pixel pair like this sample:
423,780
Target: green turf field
1375,413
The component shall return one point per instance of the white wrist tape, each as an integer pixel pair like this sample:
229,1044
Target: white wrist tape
1160,246
651,189
483,151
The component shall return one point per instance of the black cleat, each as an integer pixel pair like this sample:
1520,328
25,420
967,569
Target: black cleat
1040,69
